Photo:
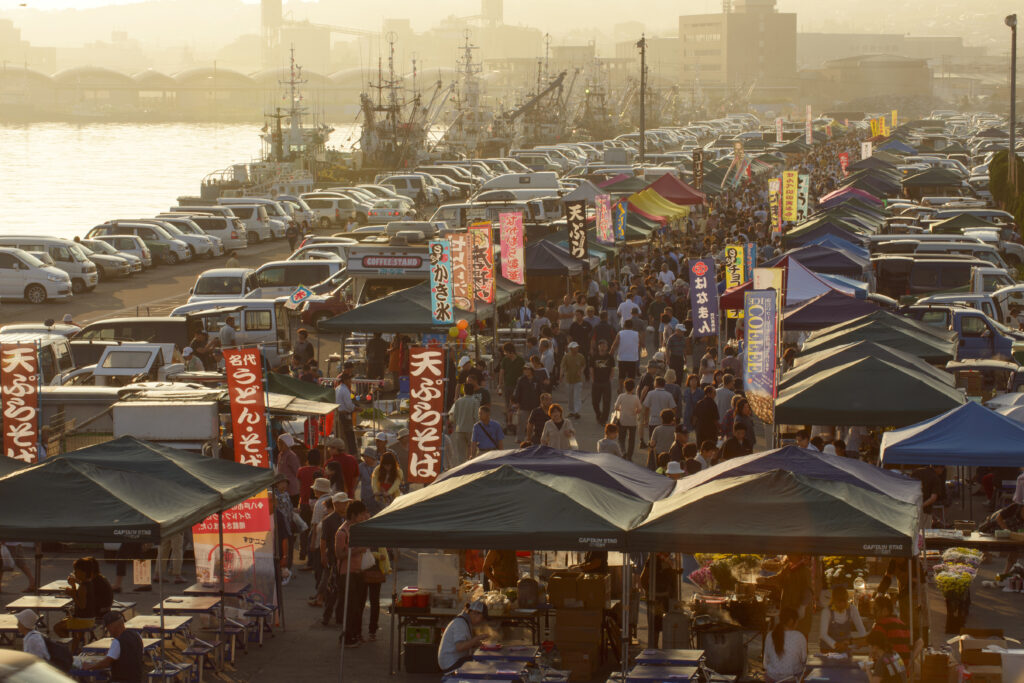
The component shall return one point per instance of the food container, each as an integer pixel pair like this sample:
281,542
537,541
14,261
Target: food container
422,599
409,596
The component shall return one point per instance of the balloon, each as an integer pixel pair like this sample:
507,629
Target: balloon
463,334
369,397
453,332
462,324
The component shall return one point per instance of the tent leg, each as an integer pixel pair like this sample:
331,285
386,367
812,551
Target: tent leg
652,639
220,545
160,568
394,599
344,620
626,583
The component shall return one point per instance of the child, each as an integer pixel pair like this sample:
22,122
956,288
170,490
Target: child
886,665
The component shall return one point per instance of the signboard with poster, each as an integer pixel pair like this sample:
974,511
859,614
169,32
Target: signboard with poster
19,394
760,308
844,163
426,406
244,368
790,181
603,209
704,297
621,209
441,301
510,231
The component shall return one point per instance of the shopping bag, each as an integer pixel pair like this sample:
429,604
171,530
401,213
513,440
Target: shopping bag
141,574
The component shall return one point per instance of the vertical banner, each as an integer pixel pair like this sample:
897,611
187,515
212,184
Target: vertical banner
734,258
244,369
809,127
768,278
483,261
875,130
865,149
603,207
510,232
749,261
893,118
704,297
462,269
426,405
803,196
775,206
576,219
441,305
19,394
621,208
789,191
844,163
698,169
248,548
759,363
828,131
778,129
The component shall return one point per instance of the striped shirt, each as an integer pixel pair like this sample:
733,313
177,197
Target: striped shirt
897,633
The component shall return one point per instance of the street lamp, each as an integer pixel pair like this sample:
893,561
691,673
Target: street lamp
1011,157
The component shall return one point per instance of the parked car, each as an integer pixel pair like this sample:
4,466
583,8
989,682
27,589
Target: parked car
167,248
105,248
195,235
281,278
108,266
222,283
23,276
258,226
129,245
229,230
331,208
66,254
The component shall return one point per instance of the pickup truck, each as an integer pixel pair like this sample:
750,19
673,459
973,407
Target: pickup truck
979,335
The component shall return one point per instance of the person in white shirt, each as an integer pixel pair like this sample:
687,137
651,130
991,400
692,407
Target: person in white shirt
625,311
227,333
458,642
666,276
785,649
626,350
31,639
1018,492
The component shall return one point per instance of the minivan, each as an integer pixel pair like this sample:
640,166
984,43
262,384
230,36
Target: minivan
258,226
66,255
275,211
281,278
230,231
221,283
128,244
165,248
188,231
258,322
331,210
22,275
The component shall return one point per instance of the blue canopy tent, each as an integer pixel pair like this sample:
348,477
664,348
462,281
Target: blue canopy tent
814,464
597,468
845,284
829,308
836,242
821,259
968,435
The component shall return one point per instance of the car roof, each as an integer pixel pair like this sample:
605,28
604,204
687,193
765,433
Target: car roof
137,318
221,272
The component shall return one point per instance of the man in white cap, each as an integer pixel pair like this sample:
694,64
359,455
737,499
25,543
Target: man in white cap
458,642
674,470
320,497
68,320
192,362
31,639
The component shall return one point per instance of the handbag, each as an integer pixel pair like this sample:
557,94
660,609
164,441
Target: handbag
373,574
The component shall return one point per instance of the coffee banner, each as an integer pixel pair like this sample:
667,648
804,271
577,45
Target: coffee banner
761,313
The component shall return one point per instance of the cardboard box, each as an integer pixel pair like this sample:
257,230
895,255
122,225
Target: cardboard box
562,590
582,663
578,617
594,590
576,635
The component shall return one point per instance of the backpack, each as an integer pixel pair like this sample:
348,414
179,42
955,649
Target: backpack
60,654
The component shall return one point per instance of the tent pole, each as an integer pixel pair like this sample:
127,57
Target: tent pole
652,638
394,605
160,568
344,619
220,545
911,570
624,661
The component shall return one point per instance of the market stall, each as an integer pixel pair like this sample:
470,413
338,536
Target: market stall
825,310
810,363
952,438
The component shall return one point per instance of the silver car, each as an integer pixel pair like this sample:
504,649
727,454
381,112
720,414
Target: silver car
102,247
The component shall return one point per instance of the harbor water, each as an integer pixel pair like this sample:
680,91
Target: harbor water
61,179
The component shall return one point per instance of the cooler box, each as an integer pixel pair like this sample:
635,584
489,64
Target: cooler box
421,644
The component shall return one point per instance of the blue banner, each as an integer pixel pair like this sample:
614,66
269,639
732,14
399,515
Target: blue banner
441,299
704,297
749,261
620,220
761,312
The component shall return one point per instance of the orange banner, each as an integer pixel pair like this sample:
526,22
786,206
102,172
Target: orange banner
248,408
19,391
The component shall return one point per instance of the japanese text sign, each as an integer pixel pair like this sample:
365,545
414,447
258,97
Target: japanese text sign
698,169
462,269
704,297
803,196
789,195
620,220
426,403
19,394
778,129
603,207
244,368
441,299
576,219
483,262
844,162
735,255
511,233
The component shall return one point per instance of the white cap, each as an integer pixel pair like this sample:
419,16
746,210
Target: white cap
67,318
674,467
573,345
381,436
463,361
187,351
27,618
340,497
287,439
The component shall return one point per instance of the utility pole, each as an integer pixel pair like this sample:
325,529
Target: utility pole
1011,157
643,96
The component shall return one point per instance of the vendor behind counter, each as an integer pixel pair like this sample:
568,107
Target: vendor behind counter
458,642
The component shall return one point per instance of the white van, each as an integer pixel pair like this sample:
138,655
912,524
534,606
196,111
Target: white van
66,255
221,283
546,180
230,231
275,211
281,278
22,275
257,224
258,322
331,210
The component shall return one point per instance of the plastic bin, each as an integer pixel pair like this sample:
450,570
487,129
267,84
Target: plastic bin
724,650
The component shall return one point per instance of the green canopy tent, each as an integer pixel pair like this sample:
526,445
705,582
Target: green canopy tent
506,508
882,327
957,224
407,312
872,393
125,489
9,465
891,320
813,363
286,384
779,512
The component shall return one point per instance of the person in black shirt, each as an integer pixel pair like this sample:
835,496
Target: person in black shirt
603,330
376,356
538,418
124,658
579,332
933,490
525,398
601,366
594,561
738,444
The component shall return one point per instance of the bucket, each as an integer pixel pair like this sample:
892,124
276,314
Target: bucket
724,651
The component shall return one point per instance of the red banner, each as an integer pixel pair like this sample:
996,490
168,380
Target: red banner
426,406
483,262
248,408
19,393
844,162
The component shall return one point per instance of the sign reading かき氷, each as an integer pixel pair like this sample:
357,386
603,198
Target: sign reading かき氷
441,281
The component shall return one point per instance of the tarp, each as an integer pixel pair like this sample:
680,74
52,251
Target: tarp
969,435
897,147
779,512
676,191
812,363
407,311
585,191
121,490
824,310
931,177
872,162
650,202
801,285
846,194
883,327
869,392
603,469
841,244
957,223
506,508
821,259
846,231
545,258
623,184
8,465
811,463
286,384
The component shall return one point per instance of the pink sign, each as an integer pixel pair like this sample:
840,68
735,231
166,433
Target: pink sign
605,233
510,228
